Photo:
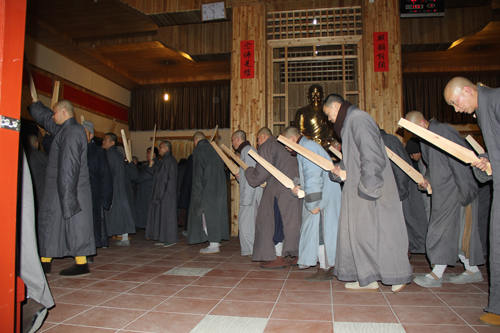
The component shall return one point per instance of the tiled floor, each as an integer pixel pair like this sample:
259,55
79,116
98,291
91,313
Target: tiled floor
147,288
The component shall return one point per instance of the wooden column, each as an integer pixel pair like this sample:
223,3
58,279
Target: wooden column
248,98
383,90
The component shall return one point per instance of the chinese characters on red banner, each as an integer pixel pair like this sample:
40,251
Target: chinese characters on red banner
247,59
381,51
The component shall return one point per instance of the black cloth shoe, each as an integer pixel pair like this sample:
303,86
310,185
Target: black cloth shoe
47,267
33,314
76,270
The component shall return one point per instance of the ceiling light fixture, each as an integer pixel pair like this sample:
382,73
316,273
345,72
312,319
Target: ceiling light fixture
165,97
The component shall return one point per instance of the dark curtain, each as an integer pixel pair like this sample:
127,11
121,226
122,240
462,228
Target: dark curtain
425,94
187,108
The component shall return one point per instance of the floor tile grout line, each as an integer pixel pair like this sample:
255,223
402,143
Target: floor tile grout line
279,295
331,298
453,310
390,306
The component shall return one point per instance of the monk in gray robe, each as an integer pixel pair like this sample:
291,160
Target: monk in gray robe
320,211
466,97
453,189
277,229
208,220
413,149
372,242
249,196
162,217
119,218
410,197
144,182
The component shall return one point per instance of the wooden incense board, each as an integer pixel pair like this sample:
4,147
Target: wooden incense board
128,155
477,147
234,157
319,160
213,134
462,153
408,169
336,152
231,166
280,176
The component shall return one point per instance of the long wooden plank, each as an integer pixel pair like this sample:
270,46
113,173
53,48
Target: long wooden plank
408,169
322,162
462,153
34,95
477,147
82,118
280,176
234,157
215,131
125,147
336,152
55,94
231,166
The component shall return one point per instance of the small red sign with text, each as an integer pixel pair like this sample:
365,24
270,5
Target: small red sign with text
381,51
247,59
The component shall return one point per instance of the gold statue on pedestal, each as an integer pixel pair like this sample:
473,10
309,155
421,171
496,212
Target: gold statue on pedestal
310,119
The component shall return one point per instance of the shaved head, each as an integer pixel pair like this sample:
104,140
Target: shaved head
65,104
266,131
291,131
461,93
417,118
32,140
199,136
240,134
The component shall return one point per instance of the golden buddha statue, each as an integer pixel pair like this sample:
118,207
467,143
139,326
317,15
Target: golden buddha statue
310,119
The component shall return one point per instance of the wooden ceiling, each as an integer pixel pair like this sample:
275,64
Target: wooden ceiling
154,43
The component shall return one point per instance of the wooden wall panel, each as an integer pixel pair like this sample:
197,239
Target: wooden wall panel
206,38
248,98
383,90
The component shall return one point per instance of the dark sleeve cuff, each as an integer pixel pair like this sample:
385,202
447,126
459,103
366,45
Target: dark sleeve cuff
365,196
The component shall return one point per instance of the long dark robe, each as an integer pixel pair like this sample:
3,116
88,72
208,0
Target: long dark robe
162,217
119,218
145,182
208,196
65,226
290,207
101,183
185,189
37,161
372,241
410,196
453,186
488,118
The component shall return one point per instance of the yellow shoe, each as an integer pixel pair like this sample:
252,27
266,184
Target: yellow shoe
491,319
354,286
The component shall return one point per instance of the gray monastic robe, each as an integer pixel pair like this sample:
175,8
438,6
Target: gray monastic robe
162,217
65,226
119,218
453,186
208,196
145,182
410,196
322,193
488,118
372,241
37,161
290,206
249,204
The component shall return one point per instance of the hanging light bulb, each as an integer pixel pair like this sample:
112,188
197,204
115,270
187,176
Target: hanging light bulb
165,97
315,21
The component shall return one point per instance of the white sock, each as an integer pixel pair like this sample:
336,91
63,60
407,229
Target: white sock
438,270
125,237
468,267
213,245
279,249
321,257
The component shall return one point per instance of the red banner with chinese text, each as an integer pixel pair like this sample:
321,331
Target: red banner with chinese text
381,51
247,62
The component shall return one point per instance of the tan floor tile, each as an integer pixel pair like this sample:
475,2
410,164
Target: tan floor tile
115,267
358,298
304,285
187,305
60,312
307,297
265,295
243,309
135,302
163,322
359,313
216,281
151,269
115,286
106,317
302,312
226,273
236,266
156,289
75,283
414,299
204,292
297,326
427,315
133,277
260,284
269,274
86,297
465,300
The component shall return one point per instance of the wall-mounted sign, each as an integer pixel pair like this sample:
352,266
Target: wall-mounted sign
381,51
422,8
247,62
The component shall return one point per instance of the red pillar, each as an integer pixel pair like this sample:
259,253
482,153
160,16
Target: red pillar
12,22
